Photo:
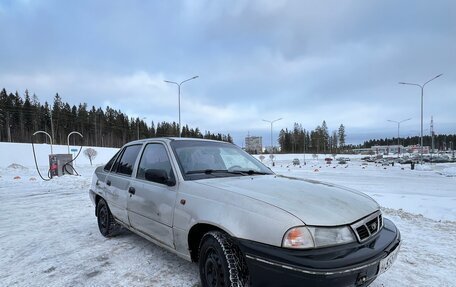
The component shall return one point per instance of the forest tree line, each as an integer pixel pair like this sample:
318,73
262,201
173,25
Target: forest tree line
20,117
319,140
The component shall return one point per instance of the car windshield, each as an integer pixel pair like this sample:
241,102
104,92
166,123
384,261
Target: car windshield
206,159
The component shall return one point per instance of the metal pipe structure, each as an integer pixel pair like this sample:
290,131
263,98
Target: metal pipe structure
398,127
272,147
179,98
422,95
50,138
68,139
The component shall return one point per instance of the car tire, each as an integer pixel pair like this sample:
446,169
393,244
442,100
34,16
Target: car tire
221,262
106,223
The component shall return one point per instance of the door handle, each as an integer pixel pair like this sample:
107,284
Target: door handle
131,190
108,183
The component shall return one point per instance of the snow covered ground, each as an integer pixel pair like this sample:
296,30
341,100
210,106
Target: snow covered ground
49,235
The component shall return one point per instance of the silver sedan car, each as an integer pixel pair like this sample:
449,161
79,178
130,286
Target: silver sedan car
212,203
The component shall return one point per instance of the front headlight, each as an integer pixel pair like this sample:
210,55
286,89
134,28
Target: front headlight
313,237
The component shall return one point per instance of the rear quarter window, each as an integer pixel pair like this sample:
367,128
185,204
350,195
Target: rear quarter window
108,166
127,161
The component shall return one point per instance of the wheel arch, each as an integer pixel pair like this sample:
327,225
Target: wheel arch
196,233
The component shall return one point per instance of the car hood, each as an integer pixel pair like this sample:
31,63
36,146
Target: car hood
313,202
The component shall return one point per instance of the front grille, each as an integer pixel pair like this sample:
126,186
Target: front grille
362,232
368,226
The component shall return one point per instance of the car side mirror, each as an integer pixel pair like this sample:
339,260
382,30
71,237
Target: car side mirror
159,176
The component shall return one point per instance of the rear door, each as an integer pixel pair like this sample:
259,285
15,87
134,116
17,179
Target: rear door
119,180
151,206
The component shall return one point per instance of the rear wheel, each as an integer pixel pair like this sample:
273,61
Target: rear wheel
221,263
106,223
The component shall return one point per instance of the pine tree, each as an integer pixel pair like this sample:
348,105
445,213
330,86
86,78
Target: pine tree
334,140
27,109
325,136
341,135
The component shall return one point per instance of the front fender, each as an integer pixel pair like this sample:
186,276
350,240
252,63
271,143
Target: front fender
239,216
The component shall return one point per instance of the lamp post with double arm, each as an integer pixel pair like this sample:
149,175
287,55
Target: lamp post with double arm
398,127
272,147
179,97
422,95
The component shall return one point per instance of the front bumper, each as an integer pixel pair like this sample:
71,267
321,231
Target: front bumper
352,264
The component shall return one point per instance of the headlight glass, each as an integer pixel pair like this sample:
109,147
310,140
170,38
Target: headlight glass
298,237
312,237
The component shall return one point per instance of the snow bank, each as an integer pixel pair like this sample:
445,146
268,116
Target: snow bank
423,167
49,234
451,171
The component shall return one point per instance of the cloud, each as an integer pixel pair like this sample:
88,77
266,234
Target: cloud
303,61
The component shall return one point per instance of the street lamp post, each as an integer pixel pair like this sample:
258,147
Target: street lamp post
422,95
272,147
398,127
179,98
139,121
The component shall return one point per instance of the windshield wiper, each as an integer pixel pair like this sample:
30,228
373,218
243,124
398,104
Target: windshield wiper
251,172
238,172
211,171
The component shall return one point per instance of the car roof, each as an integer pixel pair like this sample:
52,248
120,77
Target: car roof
169,139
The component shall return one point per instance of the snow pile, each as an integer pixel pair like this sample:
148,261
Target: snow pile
450,171
423,167
16,166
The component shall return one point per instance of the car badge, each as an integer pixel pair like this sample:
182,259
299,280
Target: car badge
373,226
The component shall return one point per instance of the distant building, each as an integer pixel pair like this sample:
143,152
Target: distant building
387,149
253,144
417,149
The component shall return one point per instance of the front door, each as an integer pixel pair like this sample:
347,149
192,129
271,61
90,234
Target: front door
151,204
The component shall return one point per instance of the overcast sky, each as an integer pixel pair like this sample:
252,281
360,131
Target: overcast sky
304,61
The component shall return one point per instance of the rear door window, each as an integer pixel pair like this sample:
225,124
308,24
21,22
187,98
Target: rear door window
127,161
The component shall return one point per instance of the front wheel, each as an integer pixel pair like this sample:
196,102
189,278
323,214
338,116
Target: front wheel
221,263
106,223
